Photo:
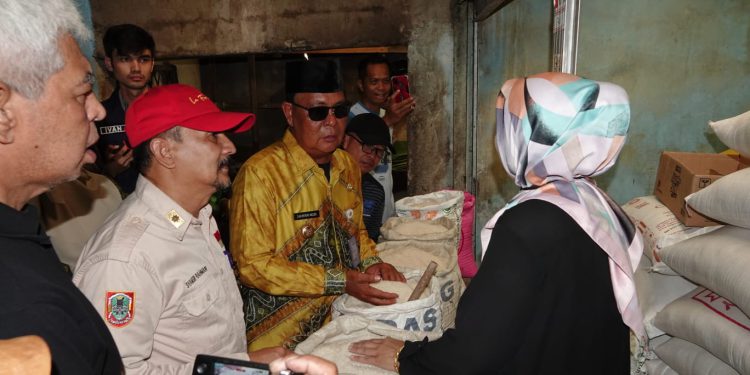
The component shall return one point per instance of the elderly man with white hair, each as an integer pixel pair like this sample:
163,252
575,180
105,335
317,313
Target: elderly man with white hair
47,113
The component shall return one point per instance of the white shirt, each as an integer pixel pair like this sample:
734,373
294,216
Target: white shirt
177,293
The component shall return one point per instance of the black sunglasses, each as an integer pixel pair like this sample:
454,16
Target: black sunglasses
321,112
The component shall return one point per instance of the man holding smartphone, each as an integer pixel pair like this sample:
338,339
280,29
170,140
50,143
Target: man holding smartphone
129,59
375,86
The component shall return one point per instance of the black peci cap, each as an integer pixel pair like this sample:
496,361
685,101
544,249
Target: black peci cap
371,129
311,76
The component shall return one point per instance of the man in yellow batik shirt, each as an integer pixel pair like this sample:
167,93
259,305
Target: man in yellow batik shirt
297,233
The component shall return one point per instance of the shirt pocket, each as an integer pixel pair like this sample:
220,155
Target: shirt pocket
201,318
200,300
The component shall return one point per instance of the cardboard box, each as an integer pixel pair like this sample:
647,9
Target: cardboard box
683,173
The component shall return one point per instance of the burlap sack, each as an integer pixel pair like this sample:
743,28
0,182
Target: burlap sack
332,342
408,228
422,314
416,255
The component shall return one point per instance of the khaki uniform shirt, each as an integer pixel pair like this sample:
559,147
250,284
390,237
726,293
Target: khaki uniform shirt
161,280
294,234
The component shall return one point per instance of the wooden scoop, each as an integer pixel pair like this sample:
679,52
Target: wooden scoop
423,281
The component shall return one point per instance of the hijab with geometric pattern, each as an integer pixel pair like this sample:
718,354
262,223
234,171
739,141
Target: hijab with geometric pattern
554,132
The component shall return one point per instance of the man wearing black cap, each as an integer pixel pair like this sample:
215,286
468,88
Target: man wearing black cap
296,218
157,269
368,141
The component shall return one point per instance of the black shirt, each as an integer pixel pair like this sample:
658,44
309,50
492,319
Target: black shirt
38,298
541,303
373,201
112,132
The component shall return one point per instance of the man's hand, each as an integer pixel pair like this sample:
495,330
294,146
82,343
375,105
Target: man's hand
397,112
303,364
376,352
266,355
386,272
117,159
358,286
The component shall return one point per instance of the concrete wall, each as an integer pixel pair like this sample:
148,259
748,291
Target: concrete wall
513,42
431,68
200,28
683,62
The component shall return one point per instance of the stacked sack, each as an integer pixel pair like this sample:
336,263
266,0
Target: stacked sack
410,244
708,327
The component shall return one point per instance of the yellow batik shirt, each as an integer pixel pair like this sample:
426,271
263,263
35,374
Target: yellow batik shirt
293,235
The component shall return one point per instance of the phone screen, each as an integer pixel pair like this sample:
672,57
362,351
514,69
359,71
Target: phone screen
212,365
227,369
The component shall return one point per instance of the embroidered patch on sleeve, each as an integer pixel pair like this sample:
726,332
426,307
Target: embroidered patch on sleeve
120,308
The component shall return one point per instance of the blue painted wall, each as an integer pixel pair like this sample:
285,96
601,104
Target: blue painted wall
683,62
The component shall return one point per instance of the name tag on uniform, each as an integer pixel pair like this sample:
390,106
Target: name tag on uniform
306,215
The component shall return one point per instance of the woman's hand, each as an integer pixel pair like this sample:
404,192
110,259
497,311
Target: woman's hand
377,352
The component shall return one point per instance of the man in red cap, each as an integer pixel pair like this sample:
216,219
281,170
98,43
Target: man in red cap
157,269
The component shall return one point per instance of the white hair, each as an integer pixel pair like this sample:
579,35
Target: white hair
29,52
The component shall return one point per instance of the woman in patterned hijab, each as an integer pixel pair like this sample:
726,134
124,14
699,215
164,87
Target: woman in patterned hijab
555,291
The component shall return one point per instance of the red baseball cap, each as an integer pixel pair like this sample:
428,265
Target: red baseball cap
164,107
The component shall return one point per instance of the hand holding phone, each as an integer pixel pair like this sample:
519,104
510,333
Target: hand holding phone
400,83
212,365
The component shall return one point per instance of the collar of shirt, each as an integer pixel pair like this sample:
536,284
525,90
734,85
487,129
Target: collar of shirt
22,225
174,217
303,162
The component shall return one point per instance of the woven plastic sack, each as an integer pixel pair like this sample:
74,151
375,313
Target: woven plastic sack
332,342
734,132
712,322
416,255
407,228
725,200
422,314
719,260
660,228
466,261
686,358
655,291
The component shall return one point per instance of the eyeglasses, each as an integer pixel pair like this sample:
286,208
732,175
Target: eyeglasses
321,112
370,149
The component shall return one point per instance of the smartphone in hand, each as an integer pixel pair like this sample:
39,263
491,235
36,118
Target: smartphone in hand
401,83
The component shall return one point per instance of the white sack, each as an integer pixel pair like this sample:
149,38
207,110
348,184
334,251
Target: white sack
704,318
660,228
734,132
332,342
687,358
407,228
416,255
719,260
422,314
726,199
655,291
431,206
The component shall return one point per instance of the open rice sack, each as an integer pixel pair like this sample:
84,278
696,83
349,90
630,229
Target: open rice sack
332,342
660,228
712,322
686,358
719,260
422,314
408,228
416,255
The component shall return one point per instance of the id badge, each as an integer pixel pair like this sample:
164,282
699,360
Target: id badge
354,251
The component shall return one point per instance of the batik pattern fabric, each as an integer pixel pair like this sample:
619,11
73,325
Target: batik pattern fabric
554,132
294,234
